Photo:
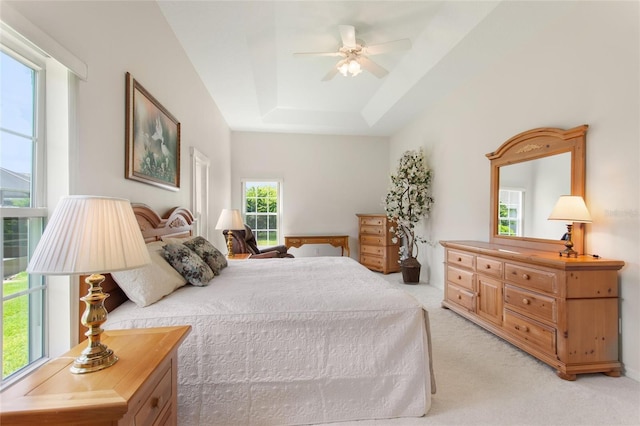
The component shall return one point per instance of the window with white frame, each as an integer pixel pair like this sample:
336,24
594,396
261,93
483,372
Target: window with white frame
262,209
510,212
22,207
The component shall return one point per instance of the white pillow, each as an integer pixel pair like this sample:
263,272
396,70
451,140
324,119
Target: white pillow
150,283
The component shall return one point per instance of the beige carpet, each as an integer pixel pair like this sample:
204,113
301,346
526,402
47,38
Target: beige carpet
482,380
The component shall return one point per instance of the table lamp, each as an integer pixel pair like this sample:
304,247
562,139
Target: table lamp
90,235
571,209
230,219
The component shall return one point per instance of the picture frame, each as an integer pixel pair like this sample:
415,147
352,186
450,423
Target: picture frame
152,140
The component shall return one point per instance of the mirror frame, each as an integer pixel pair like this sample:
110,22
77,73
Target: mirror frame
531,145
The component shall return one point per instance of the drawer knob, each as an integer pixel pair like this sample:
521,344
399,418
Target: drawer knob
155,402
459,297
459,277
522,328
525,301
487,266
459,259
525,276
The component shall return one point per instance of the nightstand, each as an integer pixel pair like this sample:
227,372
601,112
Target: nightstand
240,256
141,388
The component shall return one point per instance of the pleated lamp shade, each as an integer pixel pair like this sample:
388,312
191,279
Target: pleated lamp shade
230,219
570,208
87,235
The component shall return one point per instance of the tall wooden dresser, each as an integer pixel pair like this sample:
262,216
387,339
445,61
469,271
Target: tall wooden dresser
377,250
563,311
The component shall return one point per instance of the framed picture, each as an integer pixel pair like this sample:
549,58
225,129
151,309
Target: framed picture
152,139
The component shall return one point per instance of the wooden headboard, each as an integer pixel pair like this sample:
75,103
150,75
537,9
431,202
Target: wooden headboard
177,222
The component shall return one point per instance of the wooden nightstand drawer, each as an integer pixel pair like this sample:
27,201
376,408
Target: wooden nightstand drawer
531,278
530,304
157,400
461,259
536,334
460,277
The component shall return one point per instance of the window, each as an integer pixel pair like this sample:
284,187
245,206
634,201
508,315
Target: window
22,197
510,212
262,209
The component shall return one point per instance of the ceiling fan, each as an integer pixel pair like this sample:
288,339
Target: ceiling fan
355,54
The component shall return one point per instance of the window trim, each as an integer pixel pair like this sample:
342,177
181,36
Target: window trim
519,220
30,57
280,185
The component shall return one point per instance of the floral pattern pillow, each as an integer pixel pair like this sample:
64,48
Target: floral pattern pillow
188,264
211,255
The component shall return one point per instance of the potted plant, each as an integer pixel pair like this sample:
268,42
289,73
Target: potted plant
407,202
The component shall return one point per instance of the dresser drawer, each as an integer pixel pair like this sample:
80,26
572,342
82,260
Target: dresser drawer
536,334
373,250
156,401
461,259
461,296
531,278
372,262
489,267
373,230
460,277
375,221
530,304
372,240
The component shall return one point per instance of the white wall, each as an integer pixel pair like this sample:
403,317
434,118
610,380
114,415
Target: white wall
582,69
113,38
327,180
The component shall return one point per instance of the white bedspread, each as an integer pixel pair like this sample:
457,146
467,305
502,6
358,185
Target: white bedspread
294,341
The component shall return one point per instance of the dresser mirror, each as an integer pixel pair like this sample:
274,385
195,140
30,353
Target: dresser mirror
529,172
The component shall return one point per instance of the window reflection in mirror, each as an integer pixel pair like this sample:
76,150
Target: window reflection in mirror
539,183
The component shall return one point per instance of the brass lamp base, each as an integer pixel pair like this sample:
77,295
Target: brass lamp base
96,356
568,251
94,359
230,253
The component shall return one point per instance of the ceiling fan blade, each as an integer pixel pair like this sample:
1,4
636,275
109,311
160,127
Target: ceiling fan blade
317,54
348,35
390,46
372,67
332,73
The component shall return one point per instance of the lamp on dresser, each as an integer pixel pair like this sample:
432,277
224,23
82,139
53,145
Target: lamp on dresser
571,209
90,235
230,219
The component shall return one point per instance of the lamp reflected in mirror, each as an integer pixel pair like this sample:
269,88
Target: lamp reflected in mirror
571,209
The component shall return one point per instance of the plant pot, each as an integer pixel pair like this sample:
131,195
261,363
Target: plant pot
411,270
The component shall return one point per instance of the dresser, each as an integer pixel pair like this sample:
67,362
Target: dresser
563,311
139,389
377,250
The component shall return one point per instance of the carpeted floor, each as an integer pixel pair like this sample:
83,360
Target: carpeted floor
482,380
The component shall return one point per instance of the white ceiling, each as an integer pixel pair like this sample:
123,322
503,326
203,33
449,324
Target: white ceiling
243,52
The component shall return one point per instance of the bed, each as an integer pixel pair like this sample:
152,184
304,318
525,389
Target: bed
287,341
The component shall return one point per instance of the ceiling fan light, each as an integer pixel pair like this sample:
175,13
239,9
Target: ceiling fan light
343,67
354,67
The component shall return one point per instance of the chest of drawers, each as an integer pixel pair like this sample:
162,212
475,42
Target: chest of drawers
377,250
563,311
